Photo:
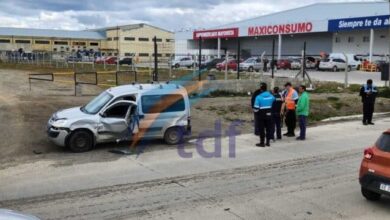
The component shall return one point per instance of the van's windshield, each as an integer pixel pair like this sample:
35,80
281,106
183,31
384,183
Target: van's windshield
96,104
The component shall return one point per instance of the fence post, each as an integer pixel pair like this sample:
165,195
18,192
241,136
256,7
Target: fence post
200,59
346,71
238,57
273,59
226,62
155,72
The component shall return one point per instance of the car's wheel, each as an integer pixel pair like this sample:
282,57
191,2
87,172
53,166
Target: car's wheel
177,65
80,141
334,69
370,195
349,68
173,136
250,69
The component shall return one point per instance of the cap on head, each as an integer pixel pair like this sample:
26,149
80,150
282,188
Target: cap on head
369,82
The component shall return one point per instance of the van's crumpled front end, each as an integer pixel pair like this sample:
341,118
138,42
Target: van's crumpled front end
59,125
56,131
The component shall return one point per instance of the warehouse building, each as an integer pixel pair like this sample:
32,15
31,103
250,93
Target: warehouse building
360,28
128,40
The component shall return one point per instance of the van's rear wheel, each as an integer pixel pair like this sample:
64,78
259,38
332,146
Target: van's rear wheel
80,141
370,195
173,136
334,69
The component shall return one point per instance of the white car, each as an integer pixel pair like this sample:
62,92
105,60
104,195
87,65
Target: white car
296,64
333,64
251,64
184,62
353,61
6,214
121,113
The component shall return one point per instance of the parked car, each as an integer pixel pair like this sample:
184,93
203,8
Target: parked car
374,176
295,64
107,60
251,64
6,214
353,60
333,64
283,64
231,65
184,62
119,113
73,59
211,64
126,61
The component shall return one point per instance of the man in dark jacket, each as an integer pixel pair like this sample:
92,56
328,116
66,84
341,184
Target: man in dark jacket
368,93
276,113
263,105
255,114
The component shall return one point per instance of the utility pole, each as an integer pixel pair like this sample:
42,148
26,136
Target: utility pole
155,73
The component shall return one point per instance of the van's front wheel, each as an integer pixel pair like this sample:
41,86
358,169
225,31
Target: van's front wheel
80,141
173,136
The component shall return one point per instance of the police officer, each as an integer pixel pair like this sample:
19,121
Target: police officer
368,93
276,116
255,114
263,105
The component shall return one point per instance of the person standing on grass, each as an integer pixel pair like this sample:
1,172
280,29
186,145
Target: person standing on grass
263,106
290,100
368,93
303,109
255,114
276,114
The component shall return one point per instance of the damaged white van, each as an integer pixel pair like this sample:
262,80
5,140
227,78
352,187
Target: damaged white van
117,114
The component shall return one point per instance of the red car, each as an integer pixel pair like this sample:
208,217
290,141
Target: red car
374,173
232,65
283,64
107,60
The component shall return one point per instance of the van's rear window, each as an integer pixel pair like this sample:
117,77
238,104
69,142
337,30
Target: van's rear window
162,103
383,142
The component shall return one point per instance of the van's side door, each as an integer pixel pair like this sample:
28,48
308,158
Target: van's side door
160,111
115,121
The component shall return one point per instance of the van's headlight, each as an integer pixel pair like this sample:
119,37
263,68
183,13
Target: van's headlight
59,122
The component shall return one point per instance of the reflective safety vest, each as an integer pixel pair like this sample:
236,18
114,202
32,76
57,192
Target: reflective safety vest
290,99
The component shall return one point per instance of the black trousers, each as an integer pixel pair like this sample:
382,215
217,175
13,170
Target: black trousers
368,111
256,125
265,124
277,127
291,121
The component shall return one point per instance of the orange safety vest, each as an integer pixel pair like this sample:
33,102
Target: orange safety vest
290,102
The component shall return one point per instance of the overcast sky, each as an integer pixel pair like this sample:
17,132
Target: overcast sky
169,14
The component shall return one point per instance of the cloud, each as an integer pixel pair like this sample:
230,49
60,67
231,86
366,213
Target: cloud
171,14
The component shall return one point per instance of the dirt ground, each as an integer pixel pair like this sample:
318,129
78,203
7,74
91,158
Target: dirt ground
24,114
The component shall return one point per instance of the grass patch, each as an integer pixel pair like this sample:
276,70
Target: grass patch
225,93
333,98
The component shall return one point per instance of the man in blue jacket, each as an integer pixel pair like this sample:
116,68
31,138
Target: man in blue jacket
263,106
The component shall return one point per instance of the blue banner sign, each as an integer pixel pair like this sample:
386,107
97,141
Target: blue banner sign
381,21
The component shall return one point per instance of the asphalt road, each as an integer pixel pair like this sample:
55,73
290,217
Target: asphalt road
316,179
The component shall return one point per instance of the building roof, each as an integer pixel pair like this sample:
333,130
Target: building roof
317,12
131,27
31,32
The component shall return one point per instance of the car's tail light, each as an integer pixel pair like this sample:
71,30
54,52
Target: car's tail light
368,153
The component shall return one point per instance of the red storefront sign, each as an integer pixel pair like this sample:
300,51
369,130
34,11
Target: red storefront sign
214,34
303,27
